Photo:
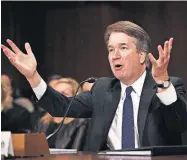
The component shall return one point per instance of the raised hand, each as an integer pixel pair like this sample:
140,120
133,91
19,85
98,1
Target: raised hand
25,63
160,66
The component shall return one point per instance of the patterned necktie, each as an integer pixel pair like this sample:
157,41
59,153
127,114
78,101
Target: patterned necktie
128,121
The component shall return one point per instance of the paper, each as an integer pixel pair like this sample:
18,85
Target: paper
61,151
130,153
6,144
149,151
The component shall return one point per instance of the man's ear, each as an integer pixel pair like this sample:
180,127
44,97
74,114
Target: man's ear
142,57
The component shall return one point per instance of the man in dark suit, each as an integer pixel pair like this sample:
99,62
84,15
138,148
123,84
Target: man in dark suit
136,108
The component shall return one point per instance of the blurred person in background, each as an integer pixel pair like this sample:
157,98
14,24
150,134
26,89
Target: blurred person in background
65,86
17,95
14,117
40,112
72,133
87,86
16,92
53,79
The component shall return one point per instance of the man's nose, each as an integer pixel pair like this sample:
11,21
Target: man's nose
116,54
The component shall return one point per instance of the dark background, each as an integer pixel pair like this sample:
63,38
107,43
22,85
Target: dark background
67,37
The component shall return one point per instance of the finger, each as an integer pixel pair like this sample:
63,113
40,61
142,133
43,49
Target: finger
3,46
8,52
161,53
166,49
28,48
12,61
152,59
14,47
170,44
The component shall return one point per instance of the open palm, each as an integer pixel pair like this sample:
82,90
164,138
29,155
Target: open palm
25,63
160,65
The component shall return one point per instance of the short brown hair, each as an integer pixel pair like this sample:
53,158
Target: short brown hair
143,41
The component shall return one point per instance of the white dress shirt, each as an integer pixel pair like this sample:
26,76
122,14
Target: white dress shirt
115,132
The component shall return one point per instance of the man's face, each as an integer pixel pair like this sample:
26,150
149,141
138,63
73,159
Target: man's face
124,60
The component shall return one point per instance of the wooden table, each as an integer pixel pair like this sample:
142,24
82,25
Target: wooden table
92,156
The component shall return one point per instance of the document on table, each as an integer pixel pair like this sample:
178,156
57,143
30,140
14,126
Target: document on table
149,151
61,151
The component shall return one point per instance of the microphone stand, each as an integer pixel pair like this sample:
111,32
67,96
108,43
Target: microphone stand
90,80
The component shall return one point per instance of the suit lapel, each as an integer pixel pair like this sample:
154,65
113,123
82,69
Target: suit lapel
112,98
148,91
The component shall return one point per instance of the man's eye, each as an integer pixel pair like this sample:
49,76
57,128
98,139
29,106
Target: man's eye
111,50
123,48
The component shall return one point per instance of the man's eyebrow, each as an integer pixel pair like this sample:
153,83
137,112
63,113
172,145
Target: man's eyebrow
120,44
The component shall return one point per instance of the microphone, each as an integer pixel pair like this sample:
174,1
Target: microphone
90,80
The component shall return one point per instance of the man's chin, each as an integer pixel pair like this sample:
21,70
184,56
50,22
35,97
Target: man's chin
118,76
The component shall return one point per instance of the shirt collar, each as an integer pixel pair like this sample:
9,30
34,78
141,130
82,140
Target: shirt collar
137,85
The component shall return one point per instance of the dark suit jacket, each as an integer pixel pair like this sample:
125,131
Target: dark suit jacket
157,124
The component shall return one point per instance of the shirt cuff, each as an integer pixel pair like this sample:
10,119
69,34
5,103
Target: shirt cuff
40,89
168,96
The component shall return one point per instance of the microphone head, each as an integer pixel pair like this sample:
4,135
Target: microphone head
91,80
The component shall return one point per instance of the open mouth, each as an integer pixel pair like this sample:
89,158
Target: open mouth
118,66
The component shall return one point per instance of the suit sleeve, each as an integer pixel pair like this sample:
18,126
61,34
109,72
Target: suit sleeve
56,104
175,115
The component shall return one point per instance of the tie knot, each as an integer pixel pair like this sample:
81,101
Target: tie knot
129,90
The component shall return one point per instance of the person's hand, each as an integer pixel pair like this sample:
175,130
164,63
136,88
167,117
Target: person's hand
160,66
25,63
